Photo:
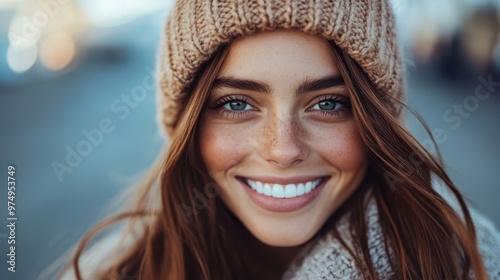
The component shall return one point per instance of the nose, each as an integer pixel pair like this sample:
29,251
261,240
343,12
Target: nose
282,143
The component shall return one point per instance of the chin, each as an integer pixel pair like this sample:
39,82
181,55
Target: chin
283,233
285,241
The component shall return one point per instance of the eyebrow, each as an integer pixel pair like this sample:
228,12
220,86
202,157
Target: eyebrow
241,84
319,84
304,87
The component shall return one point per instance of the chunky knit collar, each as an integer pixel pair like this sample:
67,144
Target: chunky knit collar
329,259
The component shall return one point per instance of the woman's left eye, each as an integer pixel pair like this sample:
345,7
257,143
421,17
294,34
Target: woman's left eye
331,104
327,105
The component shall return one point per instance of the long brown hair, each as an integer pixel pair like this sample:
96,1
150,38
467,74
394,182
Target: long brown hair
191,235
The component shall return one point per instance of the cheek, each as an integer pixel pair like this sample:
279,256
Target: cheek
222,146
342,146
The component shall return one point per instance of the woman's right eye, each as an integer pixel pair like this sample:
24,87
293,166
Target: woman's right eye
233,106
237,105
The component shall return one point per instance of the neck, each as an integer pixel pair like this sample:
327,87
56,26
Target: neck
267,262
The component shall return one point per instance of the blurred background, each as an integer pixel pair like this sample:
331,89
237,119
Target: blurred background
78,119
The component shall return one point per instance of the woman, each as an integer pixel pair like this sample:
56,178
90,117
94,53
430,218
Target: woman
288,156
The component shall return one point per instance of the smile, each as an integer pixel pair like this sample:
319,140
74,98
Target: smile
283,191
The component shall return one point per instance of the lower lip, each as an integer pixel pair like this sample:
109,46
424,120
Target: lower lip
275,204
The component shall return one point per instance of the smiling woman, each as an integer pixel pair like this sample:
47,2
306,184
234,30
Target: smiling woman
293,112
278,120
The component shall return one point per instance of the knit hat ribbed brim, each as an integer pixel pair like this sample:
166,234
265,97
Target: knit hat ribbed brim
194,30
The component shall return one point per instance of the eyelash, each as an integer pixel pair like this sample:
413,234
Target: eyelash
226,100
344,101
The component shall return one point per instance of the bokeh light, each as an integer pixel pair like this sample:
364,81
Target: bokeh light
57,51
20,59
22,32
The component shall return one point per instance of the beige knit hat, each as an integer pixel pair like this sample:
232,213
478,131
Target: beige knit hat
195,29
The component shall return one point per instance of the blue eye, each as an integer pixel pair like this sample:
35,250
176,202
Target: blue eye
329,105
233,106
332,106
237,105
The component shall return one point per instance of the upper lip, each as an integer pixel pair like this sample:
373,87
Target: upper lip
283,180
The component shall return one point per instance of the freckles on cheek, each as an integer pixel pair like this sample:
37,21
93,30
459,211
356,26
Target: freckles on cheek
342,145
221,147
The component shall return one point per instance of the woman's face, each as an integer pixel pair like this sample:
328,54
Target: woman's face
279,138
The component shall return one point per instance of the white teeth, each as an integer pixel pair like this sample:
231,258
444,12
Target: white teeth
267,190
283,191
290,191
300,189
278,191
252,184
260,187
308,187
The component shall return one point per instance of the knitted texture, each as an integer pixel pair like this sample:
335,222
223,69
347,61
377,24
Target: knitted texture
328,259
194,30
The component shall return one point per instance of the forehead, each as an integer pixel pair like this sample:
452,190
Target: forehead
278,56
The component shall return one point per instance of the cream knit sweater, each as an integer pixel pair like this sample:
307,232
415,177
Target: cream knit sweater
329,260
